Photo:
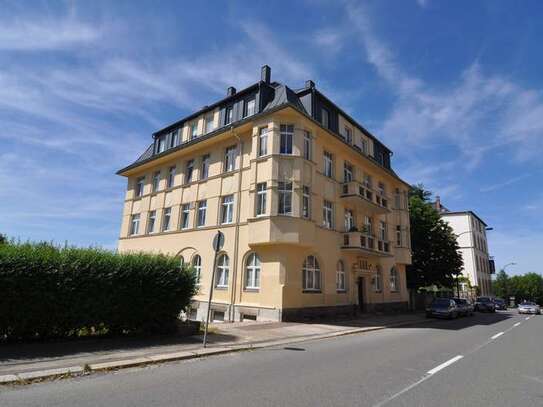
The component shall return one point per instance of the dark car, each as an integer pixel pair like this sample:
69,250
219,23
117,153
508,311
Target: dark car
465,307
484,304
500,304
442,308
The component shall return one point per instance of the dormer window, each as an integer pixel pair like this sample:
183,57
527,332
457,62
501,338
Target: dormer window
210,123
325,118
249,107
193,130
161,144
348,135
229,115
174,138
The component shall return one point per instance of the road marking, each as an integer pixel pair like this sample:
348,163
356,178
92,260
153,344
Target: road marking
527,318
444,365
497,335
517,324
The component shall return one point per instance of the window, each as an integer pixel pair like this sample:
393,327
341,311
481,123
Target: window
230,159
368,225
210,123
397,199
285,198
185,212
227,210
222,271
204,170
340,277
140,183
381,188
325,118
364,146
261,198
197,265
348,135
262,141
156,181
285,145
171,176
306,202
249,107
368,181
394,281
135,224
202,207
398,236
151,222
347,172
307,145
166,219
311,274
161,144
193,130
229,115
174,138
382,230
349,220
328,164
252,272
189,170
327,214
378,280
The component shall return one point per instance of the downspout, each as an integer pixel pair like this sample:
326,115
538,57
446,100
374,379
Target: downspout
236,241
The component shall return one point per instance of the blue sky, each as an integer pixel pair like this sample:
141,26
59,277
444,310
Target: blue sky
453,88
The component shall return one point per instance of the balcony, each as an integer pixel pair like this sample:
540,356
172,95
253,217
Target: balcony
364,198
366,244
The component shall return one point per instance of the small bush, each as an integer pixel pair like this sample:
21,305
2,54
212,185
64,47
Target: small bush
47,291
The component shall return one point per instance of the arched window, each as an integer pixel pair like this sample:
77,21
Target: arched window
252,272
223,269
197,264
311,274
394,281
340,277
378,280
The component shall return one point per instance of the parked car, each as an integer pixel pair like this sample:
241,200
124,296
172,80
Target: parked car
500,304
442,308
528,307
465,307
484,304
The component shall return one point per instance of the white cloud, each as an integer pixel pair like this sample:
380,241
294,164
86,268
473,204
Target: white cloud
500,185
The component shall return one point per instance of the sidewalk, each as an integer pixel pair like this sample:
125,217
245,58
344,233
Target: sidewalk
24,362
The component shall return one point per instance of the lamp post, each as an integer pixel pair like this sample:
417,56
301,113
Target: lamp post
218,242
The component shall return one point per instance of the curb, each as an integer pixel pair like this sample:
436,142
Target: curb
72,371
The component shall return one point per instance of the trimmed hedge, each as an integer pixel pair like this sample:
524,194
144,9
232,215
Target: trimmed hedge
47,291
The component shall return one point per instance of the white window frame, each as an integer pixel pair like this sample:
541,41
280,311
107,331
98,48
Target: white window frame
151,222
227,209
185,216
193,130
348,171
252,272
171,176
223,270
348,135
246,105
284,194
174,138
166,219
140,186
377,281
156,181
311,274
135,224
349,220
229,115
204,169
262,141
189,171
328,159
341,283
201,218
307,145
306,202
261,198
161,144
197,265
286,136
327,214
394,280
210,122
399,236
230,154
383,235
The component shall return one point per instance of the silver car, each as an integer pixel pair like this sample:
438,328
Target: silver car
528,307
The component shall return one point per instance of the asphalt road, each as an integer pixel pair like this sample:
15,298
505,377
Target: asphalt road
485,360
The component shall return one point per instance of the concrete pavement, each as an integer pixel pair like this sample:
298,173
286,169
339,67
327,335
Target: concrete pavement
464,362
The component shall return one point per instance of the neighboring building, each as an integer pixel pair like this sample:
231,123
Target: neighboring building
471,237
315,220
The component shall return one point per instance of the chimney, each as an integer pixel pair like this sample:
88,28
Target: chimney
438,203
231,91
309,84
265,74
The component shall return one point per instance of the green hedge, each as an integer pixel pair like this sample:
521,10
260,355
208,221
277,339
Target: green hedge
47,291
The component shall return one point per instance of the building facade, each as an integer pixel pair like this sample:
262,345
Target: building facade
314,218
470,231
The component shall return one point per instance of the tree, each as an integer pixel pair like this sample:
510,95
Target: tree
527,287
3,239
436,258
501,285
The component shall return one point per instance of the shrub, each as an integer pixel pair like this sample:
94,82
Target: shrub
47,291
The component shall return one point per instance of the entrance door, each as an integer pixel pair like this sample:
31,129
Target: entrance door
360,283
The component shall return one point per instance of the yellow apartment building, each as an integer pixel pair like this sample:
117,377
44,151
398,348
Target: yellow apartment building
315,220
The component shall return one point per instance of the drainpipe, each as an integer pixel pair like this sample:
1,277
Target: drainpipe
236,242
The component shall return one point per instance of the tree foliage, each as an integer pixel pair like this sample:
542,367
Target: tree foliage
436,257
528,287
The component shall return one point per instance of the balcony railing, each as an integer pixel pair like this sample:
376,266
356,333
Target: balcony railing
365,241
374,199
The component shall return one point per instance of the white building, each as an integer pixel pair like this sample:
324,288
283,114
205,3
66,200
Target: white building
471,237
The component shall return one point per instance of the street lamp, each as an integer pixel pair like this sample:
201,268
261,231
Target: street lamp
508,264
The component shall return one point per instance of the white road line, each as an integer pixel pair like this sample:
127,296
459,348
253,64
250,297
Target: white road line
517,324
444,365
497,335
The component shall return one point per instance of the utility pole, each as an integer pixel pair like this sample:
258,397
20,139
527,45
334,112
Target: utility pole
218,243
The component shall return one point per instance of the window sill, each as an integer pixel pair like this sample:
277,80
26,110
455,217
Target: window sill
251,290
221,287
341,291
311,291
